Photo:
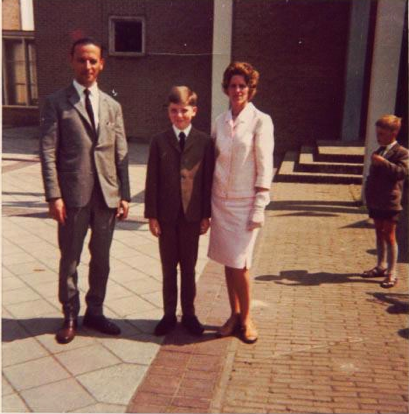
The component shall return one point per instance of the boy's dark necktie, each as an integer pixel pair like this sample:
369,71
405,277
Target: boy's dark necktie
88,107
182,140
381,149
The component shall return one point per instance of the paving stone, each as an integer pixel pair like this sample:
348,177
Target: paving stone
10,283
113,385
35,373
102,408
86,359
20,295
13,403
6,388
30,309
62,396
130,305
21,350
140,349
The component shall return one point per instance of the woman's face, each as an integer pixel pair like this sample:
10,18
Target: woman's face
238,91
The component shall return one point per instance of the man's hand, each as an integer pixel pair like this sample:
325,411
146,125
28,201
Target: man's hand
378,159
57,210
154,227
122,210
204,225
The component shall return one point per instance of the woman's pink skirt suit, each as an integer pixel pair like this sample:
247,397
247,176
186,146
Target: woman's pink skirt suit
244,160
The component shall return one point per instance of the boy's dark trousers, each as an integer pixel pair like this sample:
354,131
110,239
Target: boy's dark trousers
179,243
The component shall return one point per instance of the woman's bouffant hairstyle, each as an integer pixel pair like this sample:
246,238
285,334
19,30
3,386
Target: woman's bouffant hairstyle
390,122
251,76
182,95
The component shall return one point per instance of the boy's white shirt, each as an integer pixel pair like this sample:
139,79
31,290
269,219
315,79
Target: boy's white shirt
388,147
178,131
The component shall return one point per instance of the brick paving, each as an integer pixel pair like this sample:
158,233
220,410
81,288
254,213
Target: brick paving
330,341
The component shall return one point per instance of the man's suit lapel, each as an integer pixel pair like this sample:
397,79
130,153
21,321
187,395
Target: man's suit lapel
102,116
75,101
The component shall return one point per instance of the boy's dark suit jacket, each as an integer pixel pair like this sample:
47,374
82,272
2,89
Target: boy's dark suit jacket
384,185
176,178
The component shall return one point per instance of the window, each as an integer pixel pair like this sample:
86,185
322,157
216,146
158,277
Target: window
19,72
126,36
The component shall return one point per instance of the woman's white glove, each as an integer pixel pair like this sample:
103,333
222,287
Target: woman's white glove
257,215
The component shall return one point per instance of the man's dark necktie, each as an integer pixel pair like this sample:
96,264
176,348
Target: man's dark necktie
182,140
88,107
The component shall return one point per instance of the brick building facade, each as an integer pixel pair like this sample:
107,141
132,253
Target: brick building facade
19,98
300,48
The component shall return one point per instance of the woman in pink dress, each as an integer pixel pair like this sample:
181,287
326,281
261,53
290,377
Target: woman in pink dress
244,140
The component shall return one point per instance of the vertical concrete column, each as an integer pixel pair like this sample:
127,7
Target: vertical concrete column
385,69
27,14
355,72
222,43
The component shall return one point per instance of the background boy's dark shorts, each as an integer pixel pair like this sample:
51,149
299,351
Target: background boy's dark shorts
384,214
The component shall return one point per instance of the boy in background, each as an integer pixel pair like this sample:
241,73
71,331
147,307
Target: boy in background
383,193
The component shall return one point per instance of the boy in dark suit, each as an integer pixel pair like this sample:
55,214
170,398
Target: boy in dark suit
177,204
383,192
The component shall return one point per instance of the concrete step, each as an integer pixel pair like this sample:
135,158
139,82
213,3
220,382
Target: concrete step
340,152
289,172
308,163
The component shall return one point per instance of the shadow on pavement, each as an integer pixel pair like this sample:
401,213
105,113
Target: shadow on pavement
303,278
17,329
180,337
315,207
399,301
362,224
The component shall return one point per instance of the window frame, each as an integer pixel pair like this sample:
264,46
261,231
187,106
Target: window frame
25,38
112,21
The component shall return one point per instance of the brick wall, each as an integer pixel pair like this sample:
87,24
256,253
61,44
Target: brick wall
300,49
141,83
11,15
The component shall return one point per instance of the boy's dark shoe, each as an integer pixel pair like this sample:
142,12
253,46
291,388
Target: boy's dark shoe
192,324
101,323
165,325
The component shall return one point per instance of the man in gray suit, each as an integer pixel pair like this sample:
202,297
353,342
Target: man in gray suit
84,159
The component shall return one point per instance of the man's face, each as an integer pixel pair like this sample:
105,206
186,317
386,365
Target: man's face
385,136
86,63
181,115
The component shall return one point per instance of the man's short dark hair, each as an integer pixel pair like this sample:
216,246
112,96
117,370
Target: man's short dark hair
86,41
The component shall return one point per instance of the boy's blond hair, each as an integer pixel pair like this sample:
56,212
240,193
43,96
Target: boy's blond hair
390,122
182,95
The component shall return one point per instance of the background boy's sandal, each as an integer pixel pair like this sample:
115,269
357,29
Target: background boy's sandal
389,282
375,272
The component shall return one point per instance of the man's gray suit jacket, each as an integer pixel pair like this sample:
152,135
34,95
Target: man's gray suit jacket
73,156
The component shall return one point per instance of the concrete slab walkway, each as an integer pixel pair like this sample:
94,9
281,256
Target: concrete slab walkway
94,373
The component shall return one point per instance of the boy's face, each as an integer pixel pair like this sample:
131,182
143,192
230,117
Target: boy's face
181,115
385,136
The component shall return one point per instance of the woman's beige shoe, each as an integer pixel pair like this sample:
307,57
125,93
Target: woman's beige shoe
249,333
230,327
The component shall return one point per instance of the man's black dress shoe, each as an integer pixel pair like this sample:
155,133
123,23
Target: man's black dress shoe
192,324
101,323
165,325
67,331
